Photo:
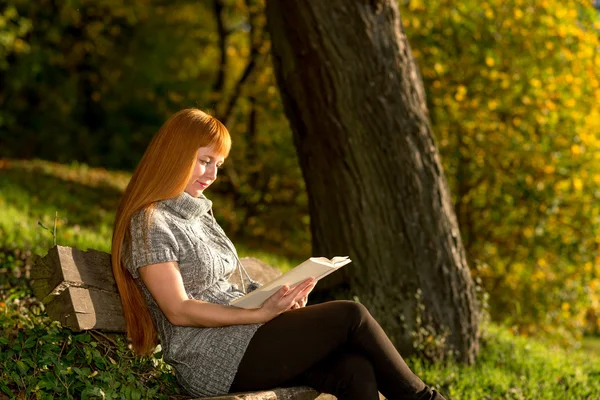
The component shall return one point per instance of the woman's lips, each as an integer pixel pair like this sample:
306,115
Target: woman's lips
203,185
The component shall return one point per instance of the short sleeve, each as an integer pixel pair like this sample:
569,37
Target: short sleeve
150,243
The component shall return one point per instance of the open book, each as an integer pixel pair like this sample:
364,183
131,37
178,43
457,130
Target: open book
317,267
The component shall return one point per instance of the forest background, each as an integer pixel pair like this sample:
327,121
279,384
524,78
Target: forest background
512,89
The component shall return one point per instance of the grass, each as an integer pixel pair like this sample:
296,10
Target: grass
39,359
32,192
516,367
591,345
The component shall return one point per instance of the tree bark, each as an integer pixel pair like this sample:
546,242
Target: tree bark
356,104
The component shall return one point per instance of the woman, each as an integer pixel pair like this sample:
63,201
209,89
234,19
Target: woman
171,261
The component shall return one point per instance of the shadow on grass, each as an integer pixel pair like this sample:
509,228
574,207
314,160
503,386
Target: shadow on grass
41,194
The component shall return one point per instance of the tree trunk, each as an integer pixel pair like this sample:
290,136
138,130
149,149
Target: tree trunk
356,104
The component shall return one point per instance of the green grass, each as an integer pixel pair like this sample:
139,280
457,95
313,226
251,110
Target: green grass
513,367
40,360
86,199
591,345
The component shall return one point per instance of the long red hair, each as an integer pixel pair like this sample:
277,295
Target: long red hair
162,173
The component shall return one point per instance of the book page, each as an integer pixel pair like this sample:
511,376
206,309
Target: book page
317,267
341,261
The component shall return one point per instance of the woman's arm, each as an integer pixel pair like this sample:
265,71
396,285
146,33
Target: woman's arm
165,284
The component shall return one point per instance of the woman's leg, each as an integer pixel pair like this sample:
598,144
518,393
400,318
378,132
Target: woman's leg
348,376
291,344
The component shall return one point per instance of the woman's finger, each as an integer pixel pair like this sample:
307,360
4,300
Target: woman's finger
304,294
300,288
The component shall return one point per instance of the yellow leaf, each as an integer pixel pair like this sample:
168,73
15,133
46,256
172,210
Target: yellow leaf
518,14
588,267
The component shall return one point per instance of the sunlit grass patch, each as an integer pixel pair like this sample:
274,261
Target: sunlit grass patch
516,367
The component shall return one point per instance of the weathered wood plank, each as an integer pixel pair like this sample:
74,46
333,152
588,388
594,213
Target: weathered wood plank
46,275
90,268
81,309
79,289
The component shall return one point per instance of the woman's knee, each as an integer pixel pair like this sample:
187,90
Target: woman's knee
354,312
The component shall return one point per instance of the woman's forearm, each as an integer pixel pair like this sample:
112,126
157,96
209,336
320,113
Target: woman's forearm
209,315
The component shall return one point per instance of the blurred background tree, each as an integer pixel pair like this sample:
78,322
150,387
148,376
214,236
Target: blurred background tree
512,88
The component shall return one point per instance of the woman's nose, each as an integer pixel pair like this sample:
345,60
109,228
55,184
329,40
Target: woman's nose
212,172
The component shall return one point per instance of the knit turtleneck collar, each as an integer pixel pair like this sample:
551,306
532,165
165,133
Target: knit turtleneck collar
188,207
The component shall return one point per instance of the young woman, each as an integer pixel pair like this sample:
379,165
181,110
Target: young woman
171,261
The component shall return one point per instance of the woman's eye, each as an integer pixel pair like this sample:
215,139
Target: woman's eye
204,162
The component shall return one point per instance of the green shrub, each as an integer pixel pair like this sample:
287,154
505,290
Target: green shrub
40,360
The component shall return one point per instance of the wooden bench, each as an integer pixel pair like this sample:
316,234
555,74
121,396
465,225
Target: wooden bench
79,290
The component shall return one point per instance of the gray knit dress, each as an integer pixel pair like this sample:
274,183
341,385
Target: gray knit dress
183,229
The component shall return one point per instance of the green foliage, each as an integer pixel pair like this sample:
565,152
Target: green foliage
40,360
513,88
83,81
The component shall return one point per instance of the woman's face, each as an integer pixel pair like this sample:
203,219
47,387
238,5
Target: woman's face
205,171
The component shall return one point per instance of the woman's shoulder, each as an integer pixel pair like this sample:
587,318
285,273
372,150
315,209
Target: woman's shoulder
154,218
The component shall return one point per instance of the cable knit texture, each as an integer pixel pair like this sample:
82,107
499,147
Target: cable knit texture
183,229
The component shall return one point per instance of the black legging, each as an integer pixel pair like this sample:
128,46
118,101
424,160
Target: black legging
335,347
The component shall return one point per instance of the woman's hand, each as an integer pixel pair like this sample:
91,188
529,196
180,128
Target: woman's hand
302,302
285,299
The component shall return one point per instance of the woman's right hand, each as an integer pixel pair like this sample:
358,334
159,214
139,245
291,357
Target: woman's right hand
284,299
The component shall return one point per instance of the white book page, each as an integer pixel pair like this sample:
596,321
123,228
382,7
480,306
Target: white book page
317,267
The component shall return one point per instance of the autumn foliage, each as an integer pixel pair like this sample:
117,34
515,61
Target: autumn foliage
513,88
